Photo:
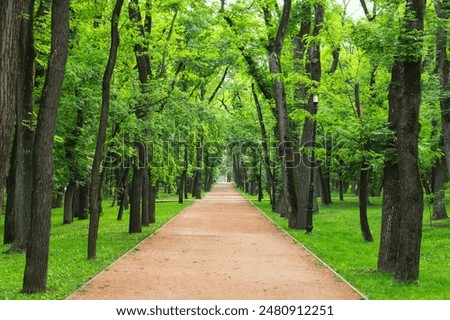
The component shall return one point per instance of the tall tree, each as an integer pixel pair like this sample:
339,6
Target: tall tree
286,150
307,43
140,172
363,189
406,104
74,180
25,134
10,19
101,137
270,172
35,278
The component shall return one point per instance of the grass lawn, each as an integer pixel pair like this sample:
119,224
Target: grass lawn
337,240
68,266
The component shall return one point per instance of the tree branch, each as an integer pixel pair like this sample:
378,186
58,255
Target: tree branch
219,85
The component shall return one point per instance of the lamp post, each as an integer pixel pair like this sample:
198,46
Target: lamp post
312,164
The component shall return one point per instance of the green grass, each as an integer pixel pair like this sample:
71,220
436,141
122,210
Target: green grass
337,240
68,266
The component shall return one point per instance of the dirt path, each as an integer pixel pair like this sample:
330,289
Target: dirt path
219,248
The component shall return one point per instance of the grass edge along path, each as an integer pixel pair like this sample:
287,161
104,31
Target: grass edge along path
68,267
337,241
338,276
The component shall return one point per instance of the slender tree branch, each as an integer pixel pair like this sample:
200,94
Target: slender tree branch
219,85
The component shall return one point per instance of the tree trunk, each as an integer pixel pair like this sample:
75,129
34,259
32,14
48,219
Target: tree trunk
68,202
325,191
70,146
182,185
35,278
152,199
411,192
83,201
286,147
404,101
1,201
260,184
341,190
101,137
123,193
24,135
139,182
265,145
145,199
364,178
439,178
390,218
197,183
136,189
8,235
10,19
135,201
363,201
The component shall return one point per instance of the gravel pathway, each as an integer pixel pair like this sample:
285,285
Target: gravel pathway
219,248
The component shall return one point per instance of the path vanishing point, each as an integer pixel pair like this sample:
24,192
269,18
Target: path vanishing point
219,248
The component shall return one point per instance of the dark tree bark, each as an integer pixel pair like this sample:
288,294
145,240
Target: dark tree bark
390,219
406,104
1,201
341,190
8,235
24,135
411,192
314,70
124,190
68,202
368,15
75,178
183,177
135,203
101,137
138,189
266,155
197,183
10,21
336,54
83,201
364,178
260,184
439,179
35,277
325,189
145,221
286,150
363,201
153,190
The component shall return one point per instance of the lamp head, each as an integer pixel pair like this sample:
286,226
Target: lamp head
315,98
